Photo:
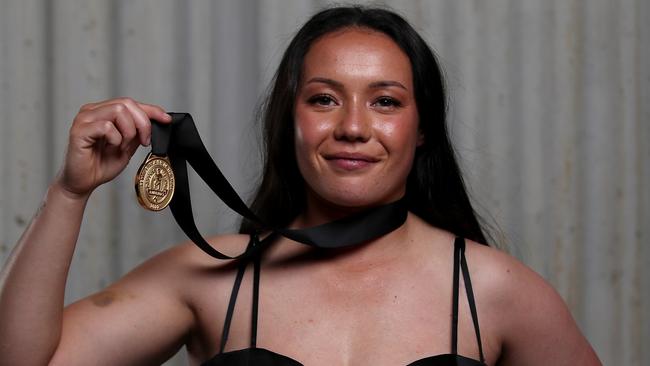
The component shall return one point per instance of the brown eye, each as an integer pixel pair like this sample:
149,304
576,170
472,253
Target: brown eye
387,102
323,100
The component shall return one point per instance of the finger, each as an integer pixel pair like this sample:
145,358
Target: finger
132,147
126,125
87,107
155,112
111,134
151,110
142,120
102,103
138,116
142,114
119,114
93,131
146,113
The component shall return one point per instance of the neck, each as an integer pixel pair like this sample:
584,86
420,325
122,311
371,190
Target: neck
319,211
359,258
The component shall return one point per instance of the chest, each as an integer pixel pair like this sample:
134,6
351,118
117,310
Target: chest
347,318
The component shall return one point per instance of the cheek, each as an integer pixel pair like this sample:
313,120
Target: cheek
306,140
302,138
310,131
388,129
399,134
299,136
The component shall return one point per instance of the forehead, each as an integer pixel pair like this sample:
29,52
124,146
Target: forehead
357,52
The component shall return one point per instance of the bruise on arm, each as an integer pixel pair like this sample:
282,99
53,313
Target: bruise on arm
107,297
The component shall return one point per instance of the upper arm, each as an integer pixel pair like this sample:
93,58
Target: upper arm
141,319
538,328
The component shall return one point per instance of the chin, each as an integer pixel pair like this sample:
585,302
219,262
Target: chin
347,199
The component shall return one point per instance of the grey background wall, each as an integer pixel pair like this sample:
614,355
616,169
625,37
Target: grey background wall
550,111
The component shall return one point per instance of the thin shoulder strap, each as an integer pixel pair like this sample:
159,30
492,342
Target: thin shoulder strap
454,314
459,259
233,298
256,295
256,281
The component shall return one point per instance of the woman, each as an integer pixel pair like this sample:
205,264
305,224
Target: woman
356,119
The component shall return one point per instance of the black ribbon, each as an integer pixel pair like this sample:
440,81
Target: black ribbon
180,141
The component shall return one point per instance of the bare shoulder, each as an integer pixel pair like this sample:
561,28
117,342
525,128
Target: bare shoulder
503,282
187,255
532,320
503,277
186,261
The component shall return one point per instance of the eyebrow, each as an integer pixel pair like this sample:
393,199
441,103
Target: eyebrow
327,81
385,83
373,85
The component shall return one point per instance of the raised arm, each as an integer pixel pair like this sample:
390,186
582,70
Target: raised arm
103,137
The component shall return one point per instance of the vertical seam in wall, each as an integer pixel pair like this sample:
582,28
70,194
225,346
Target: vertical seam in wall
114,33
579,98
514,55
637,282
250,133
182,52
5,237
616,267
578,171
50,158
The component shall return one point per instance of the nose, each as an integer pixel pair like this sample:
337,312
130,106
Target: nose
354,124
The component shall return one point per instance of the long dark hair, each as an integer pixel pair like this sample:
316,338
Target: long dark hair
435,189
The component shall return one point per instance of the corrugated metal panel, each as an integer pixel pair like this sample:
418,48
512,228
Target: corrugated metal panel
549,109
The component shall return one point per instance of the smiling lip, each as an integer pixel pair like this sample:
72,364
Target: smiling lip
350,161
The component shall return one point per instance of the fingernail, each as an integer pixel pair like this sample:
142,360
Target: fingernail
148,141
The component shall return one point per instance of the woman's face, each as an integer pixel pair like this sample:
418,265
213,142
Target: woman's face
356,121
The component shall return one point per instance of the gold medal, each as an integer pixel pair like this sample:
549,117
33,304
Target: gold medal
155,183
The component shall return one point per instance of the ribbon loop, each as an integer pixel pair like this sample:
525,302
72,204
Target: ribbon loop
180,141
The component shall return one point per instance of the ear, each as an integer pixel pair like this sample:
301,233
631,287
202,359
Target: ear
420,140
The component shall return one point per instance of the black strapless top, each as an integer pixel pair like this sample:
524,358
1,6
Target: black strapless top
255,356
